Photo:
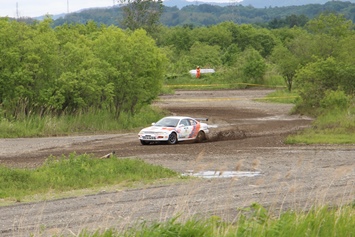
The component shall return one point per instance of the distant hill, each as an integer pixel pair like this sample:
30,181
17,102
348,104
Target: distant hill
183,3
285,3
254,3
199,14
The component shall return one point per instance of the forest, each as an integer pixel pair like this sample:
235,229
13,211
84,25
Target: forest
207,15
72,69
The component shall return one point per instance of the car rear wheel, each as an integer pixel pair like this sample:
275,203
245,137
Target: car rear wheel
144,142
201,136
172,139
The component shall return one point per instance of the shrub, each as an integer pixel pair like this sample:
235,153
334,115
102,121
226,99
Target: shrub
334,100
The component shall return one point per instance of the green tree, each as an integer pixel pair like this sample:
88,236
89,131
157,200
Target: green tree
313,80
8,61
143,14
204,55
231,55
135,67
246,36
289,21
30,66
253,66
41,65
82,82
330,24
302,46
179,37
287,64
213,35
347,59
263,41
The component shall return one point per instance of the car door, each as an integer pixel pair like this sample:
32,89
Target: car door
195,128
185,129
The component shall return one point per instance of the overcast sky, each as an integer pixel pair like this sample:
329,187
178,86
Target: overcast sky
33,8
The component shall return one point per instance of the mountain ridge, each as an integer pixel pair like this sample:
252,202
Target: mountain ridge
253,3
205,14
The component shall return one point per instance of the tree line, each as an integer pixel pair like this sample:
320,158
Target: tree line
75,68
207,14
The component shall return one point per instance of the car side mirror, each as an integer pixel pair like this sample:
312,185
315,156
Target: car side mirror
153,124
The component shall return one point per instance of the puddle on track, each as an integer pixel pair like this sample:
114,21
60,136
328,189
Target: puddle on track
222,174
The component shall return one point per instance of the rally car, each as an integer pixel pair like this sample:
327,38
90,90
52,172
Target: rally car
174,129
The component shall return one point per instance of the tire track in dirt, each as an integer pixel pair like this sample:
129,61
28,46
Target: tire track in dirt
248,137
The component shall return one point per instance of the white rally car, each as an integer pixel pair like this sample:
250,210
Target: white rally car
173,129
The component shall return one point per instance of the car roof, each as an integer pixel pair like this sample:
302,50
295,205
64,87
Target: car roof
178,117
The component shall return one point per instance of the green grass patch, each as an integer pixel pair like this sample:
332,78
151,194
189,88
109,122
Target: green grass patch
188,82
310,136
281,96
333,127
318,222
77,172
90,122
216,81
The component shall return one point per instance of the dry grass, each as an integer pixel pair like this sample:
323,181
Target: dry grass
294,182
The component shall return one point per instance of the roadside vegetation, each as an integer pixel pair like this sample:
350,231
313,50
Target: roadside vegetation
253,221
334,121
76,172
280,96
90,78
82,123
192,14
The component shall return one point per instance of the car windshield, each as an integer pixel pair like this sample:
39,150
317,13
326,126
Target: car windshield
167,122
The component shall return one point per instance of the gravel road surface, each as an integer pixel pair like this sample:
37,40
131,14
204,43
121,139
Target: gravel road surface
247,137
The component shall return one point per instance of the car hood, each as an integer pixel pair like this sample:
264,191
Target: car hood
157,129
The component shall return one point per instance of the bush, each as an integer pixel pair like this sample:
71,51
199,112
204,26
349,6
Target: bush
334,100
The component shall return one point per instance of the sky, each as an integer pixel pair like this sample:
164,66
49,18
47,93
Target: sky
34,8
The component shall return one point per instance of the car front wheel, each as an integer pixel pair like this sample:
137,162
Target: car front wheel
172,139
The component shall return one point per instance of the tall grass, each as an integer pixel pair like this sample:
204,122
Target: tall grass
318,222
205,82
76,172
336,126
90,122
218,80
281,96
310,136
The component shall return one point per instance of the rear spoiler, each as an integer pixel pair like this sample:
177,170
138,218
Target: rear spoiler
202,119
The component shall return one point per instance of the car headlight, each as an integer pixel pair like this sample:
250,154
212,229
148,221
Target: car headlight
162,135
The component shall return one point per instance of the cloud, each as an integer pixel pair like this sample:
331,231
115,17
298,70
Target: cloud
33,8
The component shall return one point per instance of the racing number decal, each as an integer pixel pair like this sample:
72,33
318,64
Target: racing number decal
186,129
189,130
186,132
194,131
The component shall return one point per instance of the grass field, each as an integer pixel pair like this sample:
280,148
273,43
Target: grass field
254,221
76,172
90,122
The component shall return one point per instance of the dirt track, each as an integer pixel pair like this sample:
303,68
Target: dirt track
248,136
